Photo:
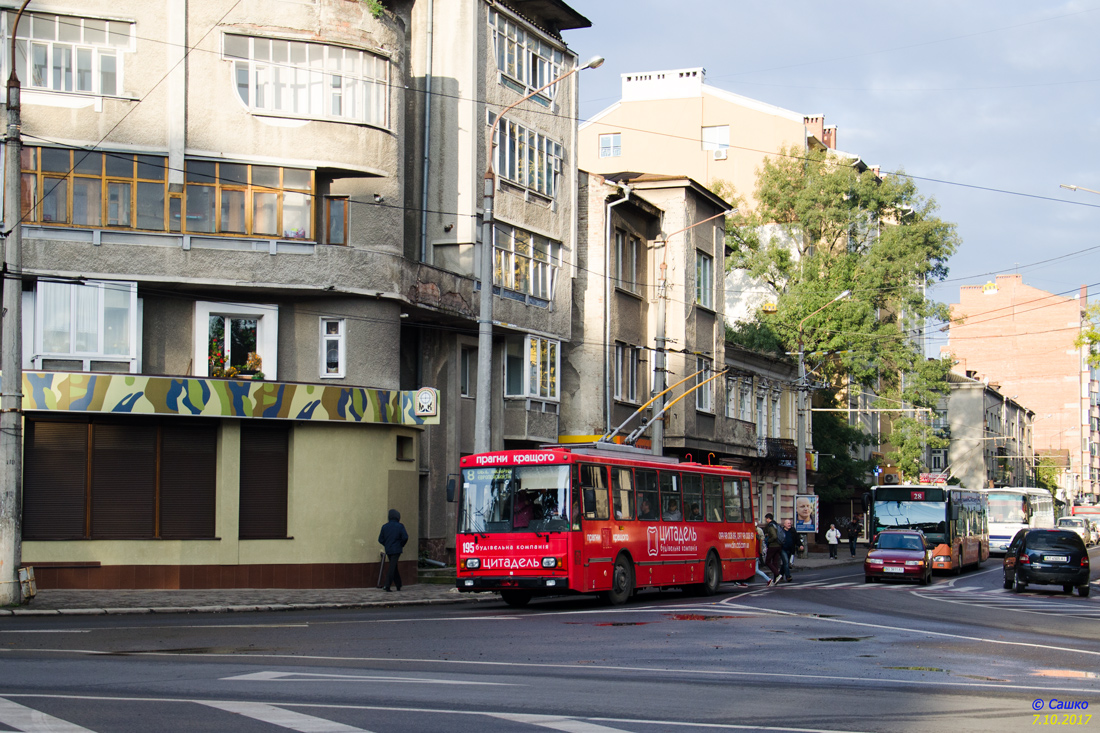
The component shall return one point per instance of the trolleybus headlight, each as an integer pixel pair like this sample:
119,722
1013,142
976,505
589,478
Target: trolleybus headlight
941,558
472,563
549,562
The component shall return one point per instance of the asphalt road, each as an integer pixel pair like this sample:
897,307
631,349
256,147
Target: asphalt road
825,653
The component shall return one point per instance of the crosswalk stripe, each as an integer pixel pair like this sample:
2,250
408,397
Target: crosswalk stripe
29,720
283,718
556,722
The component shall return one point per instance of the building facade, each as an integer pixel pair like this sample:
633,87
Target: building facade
1023,338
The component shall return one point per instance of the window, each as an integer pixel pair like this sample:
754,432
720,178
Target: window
464,363
126,191
775,415
333,355
531,367
627,256
64,53
593,482
525,61
693,497
236,338
147,479
525,262
88,326
939,459
336,220
527,158
716,137
704,395
745,401
610,145
626,372
265,460
761,416
299,79
704,280
622,492
732,490
731,397
712,494
649,505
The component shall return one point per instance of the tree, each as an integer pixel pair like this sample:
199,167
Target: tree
838,472
825,224
1090,334
1047,470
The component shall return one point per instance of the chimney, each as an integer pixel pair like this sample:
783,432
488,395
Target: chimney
815,125
828,136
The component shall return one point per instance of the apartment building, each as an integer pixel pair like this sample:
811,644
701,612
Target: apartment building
1022,338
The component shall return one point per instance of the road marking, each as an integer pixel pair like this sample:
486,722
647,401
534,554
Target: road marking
29,720
45,631
272,676
557,722
284,718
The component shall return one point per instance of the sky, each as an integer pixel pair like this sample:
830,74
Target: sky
991,104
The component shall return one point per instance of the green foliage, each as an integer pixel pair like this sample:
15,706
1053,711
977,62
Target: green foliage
374,7
1090,334
823,226
838,473
756,336
1047,469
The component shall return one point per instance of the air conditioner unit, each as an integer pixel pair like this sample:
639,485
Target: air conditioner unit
721,154
891,479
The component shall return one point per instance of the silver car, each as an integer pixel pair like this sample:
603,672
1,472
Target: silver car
1080,525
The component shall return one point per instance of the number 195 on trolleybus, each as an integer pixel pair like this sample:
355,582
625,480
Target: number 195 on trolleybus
603,518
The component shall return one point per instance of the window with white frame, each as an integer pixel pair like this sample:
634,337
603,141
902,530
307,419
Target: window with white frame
744,400
524,261
611,145
939,460
628,257
67,53
761,415
236,338
716,137
526,62
626,372
704,395
704,280
312,80
527,158
776,415
333,345
731,397
531,367
90,326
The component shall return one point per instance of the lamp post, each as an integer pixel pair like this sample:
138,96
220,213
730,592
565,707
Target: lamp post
485,319
1076,188
802,387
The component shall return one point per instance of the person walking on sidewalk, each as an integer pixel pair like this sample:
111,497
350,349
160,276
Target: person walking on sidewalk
774,541
792,543
832,536
854,528
393,538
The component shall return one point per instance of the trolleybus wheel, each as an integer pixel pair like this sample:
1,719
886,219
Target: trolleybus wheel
622,582
712,575
516,598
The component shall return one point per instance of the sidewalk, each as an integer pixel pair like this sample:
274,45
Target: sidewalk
101,602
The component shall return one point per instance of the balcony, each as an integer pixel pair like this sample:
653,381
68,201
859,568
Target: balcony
779,452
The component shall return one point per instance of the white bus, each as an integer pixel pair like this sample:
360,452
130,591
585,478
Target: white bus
1013,509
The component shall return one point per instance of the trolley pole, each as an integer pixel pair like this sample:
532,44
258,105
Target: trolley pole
11,356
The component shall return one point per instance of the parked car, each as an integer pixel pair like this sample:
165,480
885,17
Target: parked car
900,555
1047,557
1080,525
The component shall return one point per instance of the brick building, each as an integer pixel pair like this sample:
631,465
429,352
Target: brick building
1022,338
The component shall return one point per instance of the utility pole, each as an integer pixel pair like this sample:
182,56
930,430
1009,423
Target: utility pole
11,354
483,400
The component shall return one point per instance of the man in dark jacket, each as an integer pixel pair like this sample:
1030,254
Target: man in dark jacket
792,543
853,529
774,550
393,537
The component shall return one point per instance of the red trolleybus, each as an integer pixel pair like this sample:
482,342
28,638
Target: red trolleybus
600,518
954,521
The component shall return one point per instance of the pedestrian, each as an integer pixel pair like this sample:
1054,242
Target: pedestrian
792,543
832,536
854,529
772,539
393,538
761,550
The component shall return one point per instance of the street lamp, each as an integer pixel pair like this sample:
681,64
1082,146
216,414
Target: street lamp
1076,188
485,319
802,387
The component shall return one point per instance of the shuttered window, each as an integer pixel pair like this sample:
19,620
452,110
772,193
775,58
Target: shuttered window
114,490
264,469
54,480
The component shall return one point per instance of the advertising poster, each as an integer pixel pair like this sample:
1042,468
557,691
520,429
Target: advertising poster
805,513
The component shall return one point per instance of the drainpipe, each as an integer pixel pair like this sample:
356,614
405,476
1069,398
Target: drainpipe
625,188
427,134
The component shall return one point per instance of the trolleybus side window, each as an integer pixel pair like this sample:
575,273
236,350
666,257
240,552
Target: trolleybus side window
732,490
593,480
622,492
672,508
746,501
648,505
693,497
712,491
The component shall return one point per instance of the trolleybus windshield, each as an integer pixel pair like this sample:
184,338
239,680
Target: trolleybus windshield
1007,508
515,499
928,516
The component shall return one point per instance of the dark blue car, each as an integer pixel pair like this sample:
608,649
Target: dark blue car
1047,557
